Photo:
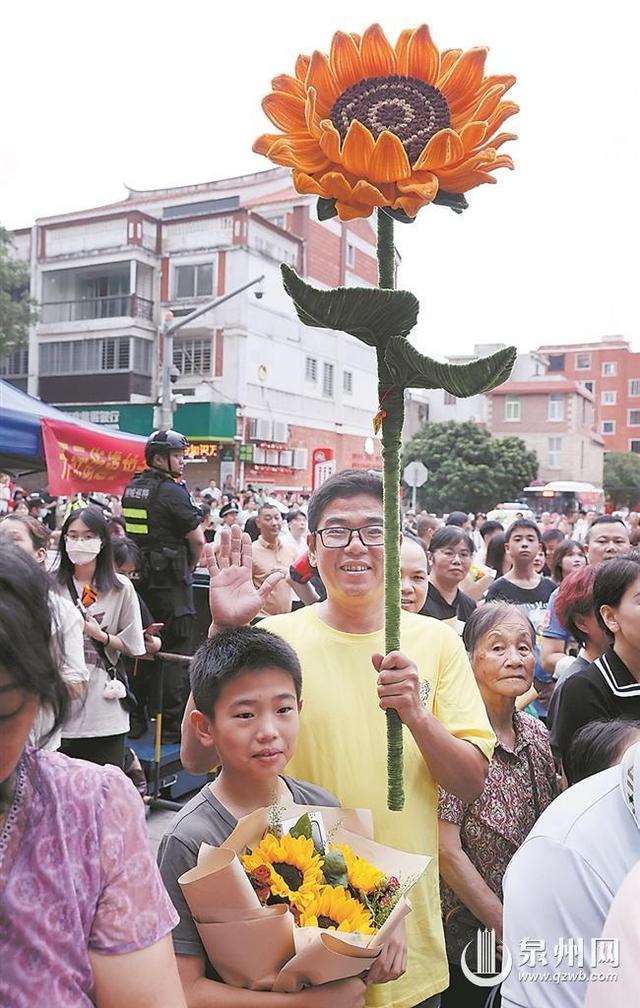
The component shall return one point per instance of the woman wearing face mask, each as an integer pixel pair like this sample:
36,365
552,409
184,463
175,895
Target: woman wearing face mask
97,727
33,538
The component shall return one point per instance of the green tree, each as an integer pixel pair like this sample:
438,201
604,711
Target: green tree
621,480
468,469
17,308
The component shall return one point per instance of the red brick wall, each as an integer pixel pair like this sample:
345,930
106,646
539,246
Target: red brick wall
628,368
366,267
323,255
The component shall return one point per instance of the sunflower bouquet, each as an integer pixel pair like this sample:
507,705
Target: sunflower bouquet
284,907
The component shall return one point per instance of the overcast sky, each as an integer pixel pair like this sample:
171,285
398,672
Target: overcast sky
154,94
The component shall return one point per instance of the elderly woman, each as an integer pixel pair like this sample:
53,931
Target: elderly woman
477,840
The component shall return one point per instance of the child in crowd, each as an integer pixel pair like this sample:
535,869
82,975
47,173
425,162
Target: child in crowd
247,685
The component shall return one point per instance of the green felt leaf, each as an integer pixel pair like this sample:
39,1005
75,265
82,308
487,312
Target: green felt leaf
368,313
454,200
411,369
326,208
398,215
302,828
334,869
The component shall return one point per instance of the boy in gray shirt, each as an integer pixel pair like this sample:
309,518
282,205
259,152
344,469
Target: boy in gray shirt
246,684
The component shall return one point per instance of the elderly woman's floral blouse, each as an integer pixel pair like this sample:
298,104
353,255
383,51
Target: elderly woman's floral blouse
519,786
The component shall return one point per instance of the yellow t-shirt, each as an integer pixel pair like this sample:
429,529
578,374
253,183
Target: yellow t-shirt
342,747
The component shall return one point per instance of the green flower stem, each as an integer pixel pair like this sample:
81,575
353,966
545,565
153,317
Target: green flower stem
391,401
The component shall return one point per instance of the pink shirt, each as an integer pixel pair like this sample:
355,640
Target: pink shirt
76,873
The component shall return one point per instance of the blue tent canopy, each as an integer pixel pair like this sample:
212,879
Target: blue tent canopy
20,429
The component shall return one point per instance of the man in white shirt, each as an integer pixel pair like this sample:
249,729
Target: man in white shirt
560,884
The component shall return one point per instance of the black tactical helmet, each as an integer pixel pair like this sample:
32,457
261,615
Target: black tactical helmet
162,442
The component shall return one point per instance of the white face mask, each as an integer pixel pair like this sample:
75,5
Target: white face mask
82,552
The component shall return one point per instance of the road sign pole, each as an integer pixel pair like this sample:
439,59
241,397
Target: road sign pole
413,499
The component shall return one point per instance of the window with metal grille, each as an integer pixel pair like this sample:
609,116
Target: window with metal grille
193,356
556,406
347,382
311,369
608,397
512,408
15,364
634,446
634,387
327,380
555,452
142,356
609,369
634,418
556,362
193,281
85,356
608,427
583,361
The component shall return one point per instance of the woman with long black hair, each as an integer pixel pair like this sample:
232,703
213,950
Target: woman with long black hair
97,726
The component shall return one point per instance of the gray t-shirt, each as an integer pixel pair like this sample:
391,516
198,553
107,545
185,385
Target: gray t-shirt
205,820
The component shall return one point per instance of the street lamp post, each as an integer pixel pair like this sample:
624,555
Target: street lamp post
166,333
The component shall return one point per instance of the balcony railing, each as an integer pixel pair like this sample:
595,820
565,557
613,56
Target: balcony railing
117,306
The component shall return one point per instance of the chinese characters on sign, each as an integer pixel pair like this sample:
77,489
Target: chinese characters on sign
80,460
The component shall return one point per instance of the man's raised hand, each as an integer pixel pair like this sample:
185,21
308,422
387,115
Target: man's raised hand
233,598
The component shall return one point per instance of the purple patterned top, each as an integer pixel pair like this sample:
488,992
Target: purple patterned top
76,874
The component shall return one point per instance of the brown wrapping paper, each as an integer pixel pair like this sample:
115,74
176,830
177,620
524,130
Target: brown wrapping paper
254,947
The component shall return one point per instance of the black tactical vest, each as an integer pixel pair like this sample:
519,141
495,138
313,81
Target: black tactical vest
136,503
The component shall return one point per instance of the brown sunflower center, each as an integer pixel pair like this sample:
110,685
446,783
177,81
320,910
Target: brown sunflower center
327,922
292,876
409,108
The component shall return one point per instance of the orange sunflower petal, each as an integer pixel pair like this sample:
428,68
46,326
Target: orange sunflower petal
447,59
445,148
402,51
289,84
426,188
311,117
264,142
376,53
487,104
352,211
344,60
464,78
329,141
465,179
364,192
502,113
285,111
336,185
308,186
303,153
389,161
473,134
320,77
423,59
302,67
357,149
502,138
410,204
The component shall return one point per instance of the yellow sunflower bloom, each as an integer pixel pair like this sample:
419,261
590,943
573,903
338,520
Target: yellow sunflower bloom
334,909
373,125
362,876
294,865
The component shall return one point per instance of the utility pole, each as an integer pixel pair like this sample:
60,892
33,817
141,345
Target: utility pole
166,333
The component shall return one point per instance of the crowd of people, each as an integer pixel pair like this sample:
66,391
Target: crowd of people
517,682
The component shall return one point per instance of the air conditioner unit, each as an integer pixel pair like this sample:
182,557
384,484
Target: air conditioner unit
300,458
260,429
280,432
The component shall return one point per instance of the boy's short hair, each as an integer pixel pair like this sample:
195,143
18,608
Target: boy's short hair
230,652
522,523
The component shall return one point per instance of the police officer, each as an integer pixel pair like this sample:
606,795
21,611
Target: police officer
161,518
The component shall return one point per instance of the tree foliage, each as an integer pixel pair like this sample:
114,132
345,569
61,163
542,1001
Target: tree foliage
468,469
17,309
621,480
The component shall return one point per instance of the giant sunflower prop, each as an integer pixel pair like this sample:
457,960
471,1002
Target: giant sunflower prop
392,129
333,908
295,867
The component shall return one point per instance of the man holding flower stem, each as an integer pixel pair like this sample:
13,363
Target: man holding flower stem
342,744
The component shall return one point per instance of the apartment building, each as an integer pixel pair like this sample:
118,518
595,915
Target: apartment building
610,370
258,392
555,417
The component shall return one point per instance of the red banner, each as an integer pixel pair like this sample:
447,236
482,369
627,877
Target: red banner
81,460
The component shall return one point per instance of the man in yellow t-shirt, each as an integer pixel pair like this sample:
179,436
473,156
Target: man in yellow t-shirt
342,741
